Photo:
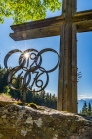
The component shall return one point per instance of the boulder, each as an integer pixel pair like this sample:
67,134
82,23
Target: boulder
18,122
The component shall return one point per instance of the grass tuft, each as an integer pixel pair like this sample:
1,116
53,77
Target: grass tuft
5,97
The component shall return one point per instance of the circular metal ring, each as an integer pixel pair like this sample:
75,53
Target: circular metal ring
8,55
22,57
39,86
33,57
37,60
52,50
10,78
36,79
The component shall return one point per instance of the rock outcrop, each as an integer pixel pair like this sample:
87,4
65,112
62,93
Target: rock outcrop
17,122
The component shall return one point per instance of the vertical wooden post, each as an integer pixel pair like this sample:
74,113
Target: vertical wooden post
66,90
74,69
61,72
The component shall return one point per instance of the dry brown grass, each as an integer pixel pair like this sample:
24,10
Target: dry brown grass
5,97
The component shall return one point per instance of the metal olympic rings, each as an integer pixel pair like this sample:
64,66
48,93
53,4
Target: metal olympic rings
29,69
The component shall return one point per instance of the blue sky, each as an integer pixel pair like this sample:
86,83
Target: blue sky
84,52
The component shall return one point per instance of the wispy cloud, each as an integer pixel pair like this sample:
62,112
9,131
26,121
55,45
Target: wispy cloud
84,97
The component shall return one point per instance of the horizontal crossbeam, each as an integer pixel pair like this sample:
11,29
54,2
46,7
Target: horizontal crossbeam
51,26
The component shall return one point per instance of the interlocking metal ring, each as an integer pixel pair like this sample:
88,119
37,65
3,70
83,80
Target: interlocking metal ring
29,69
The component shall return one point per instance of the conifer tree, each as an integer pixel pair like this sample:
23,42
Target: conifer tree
89,110
84,109
6,89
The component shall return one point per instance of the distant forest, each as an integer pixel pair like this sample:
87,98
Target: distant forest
42,98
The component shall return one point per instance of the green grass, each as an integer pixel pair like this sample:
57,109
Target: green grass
5,97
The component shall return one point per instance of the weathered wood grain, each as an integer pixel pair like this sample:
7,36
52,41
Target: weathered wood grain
74,69
51,26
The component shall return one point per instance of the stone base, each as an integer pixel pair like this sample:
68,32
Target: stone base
17,122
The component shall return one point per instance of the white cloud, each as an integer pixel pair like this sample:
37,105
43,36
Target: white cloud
84,97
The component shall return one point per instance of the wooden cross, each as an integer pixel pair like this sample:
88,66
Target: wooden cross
66,25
